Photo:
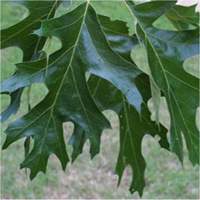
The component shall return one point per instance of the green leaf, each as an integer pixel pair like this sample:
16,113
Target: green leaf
46,130
93,49
115,69
20,35
182,16
117,34
167,50
69,97
133,125
95,44
26,74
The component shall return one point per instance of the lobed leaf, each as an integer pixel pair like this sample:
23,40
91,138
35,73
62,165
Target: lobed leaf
166,51
20,35
95,44
133,125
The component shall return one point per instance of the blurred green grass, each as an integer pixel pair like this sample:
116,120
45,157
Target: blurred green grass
165,177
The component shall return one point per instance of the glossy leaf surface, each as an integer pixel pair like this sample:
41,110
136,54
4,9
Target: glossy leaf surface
92,72
68,97
133,125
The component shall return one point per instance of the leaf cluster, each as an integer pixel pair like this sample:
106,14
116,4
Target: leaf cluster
100,47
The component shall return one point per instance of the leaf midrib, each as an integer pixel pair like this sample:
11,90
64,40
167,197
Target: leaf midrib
71,59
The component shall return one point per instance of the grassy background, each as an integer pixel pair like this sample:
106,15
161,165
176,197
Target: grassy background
165,177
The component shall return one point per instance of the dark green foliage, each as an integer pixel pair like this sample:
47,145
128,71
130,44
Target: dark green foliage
95,44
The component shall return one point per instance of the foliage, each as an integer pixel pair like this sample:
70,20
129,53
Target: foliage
94,44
